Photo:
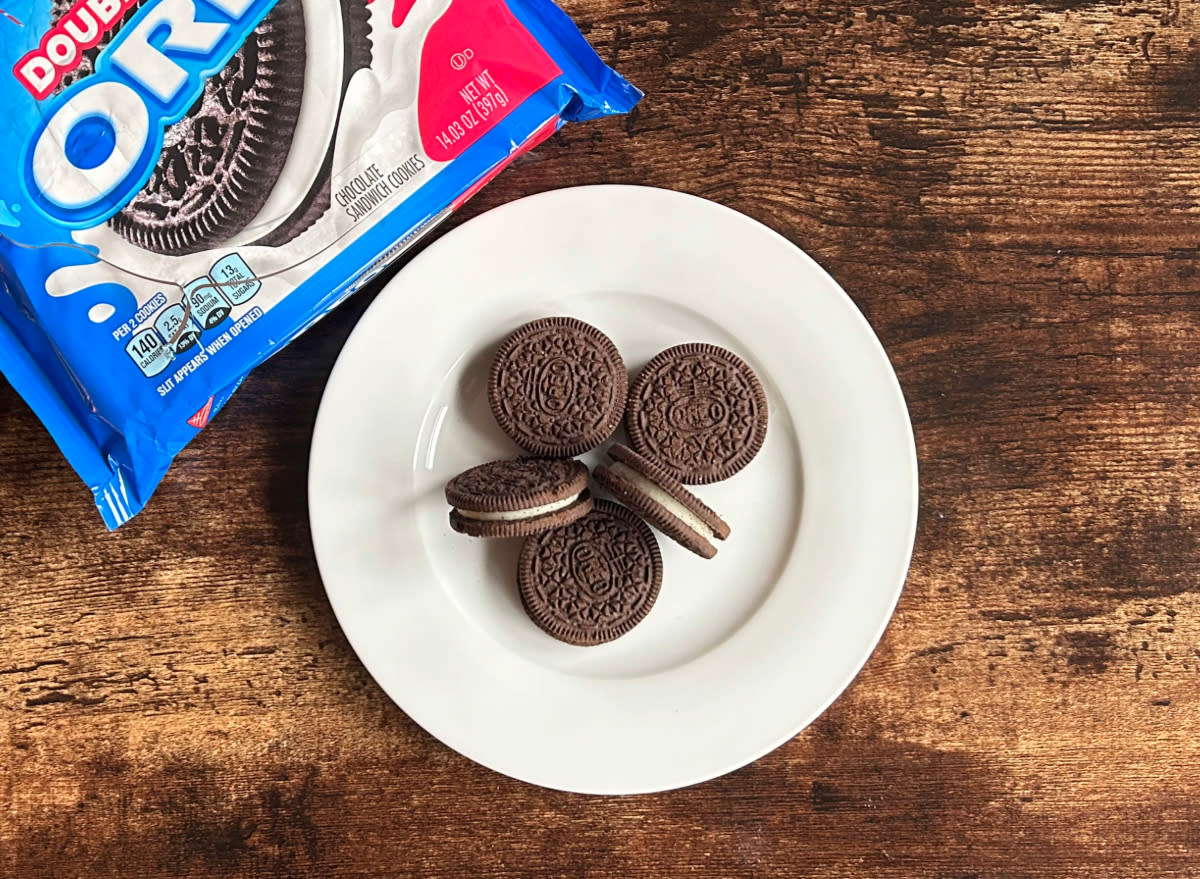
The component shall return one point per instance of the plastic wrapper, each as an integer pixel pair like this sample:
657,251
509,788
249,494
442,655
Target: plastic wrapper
189,184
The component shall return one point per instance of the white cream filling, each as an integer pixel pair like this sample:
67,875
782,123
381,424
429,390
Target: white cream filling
514,515
674,507
324,62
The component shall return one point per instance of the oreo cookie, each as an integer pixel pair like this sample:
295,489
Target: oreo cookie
594,580
558,387
310,198
250,161
698,411
662,501
518,498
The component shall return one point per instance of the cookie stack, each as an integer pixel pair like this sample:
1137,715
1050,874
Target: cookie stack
590,569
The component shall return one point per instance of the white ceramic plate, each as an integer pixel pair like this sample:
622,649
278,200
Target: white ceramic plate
740,653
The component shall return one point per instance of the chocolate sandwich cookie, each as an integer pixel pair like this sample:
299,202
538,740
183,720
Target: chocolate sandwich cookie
312,199
558,387
662,500
594,580
226,173
698,411
518,498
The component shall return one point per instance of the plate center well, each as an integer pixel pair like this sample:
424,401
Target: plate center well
702,602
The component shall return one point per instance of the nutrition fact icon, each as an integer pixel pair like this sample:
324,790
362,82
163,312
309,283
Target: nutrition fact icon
149,352
209,307
237,283
177,328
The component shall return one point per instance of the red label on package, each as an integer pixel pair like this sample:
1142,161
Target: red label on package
478,64
200,419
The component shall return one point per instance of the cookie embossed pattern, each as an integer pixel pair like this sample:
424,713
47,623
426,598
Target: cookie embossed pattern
566,380
594,580
190,185
699,411
558,387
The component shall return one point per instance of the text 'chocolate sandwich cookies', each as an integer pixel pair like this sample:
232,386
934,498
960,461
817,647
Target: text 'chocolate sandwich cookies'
698,411
591,581
662,500
558,387
518,498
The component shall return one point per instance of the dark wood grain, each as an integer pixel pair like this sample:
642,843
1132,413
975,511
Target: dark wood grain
1011,193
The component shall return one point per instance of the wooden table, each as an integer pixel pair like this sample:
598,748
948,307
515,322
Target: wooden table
1010,193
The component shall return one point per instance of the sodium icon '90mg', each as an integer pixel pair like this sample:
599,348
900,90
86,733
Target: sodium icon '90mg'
209,307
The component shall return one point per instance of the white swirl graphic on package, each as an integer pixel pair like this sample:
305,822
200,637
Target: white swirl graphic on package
101,312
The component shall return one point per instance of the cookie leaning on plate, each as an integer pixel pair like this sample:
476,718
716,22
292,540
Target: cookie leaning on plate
518,498
558,387
662,501
594,580
699,411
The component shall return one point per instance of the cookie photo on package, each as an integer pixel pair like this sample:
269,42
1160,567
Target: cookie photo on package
189,184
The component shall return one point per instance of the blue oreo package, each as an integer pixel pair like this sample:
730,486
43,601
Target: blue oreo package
190,184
